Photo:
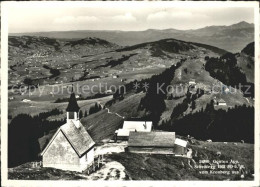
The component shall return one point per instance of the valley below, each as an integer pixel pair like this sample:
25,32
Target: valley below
186,87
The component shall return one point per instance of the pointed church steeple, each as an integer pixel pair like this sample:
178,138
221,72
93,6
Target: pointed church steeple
73,107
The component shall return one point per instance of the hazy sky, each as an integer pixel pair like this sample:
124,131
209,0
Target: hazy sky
34,17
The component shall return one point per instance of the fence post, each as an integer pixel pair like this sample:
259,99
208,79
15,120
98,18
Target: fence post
98,160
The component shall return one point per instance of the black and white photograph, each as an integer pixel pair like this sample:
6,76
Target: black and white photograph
130,91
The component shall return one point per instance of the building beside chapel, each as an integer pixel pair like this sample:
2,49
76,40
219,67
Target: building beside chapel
133,126
156,143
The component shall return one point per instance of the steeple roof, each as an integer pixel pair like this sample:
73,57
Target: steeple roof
73,105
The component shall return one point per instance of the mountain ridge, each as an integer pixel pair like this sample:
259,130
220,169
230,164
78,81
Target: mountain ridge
239,23
232,38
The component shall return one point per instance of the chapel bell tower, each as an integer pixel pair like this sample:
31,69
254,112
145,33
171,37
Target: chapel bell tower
72,108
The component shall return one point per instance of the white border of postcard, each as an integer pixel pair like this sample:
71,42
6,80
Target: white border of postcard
4,94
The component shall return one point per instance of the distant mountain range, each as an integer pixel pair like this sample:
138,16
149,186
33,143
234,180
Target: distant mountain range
31,45
232,38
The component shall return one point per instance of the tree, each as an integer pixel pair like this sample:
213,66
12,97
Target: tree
193,105
95,108
28,81
92,110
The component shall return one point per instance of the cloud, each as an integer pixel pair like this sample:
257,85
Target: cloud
127,17
167,15
76,20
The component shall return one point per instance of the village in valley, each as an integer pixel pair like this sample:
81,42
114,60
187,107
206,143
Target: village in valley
84,105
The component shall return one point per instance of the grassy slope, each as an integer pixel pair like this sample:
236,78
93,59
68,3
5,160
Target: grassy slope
18,107
154,167
163,167
102,125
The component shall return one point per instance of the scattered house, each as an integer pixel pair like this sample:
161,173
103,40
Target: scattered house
221,102
11,98
115,76
156,143
71,147
225,89
108,92
26,100
192,82
135,126
123,80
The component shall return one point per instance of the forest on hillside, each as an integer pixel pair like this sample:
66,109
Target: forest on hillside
153,103
23,133
233,125
226,70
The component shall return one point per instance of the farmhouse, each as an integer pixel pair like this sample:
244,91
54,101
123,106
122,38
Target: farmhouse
156,143
192,82
115,76
136,126
71,147
221,102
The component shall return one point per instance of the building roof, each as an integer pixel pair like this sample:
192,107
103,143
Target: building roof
124,132
221,101
181,142
78,137
73,105
151,139
145,126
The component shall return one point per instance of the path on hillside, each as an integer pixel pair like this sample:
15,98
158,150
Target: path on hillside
108,111
247,100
